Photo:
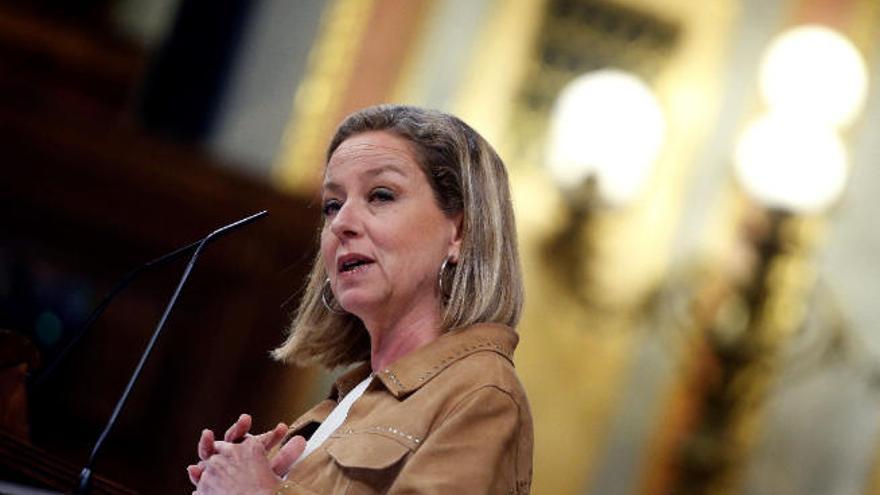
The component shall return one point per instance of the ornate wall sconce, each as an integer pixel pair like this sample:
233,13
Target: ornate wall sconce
587,115
606,131
791,164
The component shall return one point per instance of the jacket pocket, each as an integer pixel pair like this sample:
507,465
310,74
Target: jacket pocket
370,461
366,451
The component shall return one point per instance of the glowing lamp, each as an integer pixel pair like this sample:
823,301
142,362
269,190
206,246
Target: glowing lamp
816,72
608,125
791,163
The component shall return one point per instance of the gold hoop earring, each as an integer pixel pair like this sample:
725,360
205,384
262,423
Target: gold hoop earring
333,305
445,288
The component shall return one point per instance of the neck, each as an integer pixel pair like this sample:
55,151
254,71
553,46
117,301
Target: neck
390,343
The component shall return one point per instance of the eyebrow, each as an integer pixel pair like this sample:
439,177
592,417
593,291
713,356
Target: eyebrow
390,167
372,172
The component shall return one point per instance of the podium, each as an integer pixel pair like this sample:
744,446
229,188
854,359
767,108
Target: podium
25,469
24,465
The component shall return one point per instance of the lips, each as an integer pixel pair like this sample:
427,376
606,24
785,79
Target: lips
352,262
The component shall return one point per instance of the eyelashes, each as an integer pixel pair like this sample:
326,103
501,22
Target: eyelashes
382,195
379,195
330,207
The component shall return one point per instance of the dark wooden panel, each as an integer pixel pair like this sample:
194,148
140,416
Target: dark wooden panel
86,201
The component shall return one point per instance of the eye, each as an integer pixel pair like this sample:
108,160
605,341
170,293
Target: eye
382,195
330,207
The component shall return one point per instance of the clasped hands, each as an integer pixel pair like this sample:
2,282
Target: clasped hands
240,463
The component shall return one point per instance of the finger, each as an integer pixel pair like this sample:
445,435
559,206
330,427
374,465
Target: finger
271,438
288,454
206,445
227,449
239,428
195,473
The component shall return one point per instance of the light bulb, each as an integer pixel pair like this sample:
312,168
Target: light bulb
790,163
606,124
814,72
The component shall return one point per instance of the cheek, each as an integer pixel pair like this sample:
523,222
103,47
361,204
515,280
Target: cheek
421,243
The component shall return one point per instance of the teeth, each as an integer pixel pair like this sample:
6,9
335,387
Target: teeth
351,265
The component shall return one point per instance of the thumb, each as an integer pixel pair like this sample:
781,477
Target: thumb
287,455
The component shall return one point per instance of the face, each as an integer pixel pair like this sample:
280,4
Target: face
384,236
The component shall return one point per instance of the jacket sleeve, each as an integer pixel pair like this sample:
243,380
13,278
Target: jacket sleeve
473,450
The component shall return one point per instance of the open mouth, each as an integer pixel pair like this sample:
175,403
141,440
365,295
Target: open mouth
352,263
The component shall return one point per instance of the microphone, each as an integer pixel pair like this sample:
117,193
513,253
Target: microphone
85,477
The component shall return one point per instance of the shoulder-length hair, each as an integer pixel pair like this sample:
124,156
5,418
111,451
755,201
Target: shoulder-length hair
467,177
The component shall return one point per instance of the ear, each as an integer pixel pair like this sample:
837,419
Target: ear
454,251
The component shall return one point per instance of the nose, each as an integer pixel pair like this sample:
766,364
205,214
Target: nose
346,223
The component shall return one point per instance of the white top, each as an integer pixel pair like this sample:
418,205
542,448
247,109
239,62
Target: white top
335,419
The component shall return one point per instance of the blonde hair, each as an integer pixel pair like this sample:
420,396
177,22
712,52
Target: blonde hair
467,177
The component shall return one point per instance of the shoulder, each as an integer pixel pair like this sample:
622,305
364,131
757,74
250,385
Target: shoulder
486,374
456,365
481,370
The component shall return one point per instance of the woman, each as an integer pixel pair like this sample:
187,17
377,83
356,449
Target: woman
418,278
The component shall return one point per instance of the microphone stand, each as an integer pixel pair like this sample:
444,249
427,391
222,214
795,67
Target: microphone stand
85,476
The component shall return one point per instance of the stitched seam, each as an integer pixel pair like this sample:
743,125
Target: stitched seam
385,431
394,378
458,405
464,351
286,485
518,416
516,448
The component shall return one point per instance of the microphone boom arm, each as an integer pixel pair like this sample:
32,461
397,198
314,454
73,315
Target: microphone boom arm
85,475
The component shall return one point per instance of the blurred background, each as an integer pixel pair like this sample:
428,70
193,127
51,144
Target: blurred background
695,185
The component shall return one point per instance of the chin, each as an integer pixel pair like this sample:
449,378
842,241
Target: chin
358,304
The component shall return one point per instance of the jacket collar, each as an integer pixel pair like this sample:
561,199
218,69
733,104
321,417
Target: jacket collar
411,372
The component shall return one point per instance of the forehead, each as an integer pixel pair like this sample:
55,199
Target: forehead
370,150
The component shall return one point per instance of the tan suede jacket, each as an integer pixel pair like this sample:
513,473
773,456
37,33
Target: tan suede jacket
448,418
